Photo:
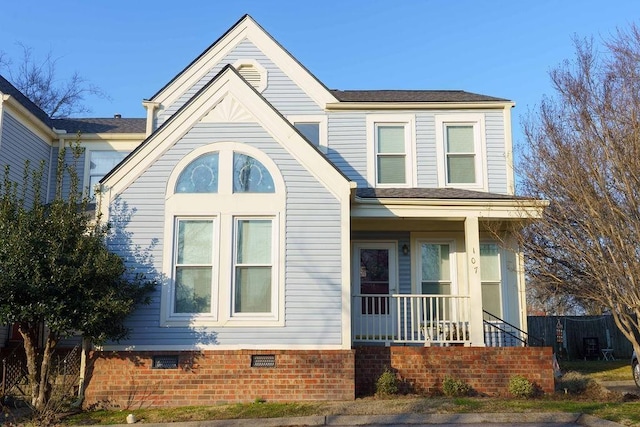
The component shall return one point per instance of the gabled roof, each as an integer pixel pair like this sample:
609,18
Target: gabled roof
227,83
8,89
412,96
101,125
245,28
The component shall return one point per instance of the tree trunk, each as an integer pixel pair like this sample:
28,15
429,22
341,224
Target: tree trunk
29,334
44,390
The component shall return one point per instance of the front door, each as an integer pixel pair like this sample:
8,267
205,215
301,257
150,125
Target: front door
374,280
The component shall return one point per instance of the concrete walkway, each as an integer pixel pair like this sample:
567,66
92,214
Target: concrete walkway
556,419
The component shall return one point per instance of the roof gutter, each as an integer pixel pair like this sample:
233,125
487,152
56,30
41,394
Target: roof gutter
418,105
526,203
11,101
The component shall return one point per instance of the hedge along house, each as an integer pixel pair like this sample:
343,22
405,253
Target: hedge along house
306,238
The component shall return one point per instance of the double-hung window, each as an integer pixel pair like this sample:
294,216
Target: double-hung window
253,265
391,146
194,290
436,278
460,150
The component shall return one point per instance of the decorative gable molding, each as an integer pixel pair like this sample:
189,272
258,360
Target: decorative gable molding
229,110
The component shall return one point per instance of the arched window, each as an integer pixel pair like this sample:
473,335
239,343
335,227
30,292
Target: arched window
225,209
200,176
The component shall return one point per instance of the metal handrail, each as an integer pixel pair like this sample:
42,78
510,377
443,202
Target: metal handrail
525,341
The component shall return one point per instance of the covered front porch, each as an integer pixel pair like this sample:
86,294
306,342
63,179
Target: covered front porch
432,268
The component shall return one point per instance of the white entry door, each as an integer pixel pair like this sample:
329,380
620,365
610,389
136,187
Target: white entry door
374,279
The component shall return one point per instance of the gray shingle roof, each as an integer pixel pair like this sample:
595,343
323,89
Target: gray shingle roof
101,125
412,96
430,193
7,88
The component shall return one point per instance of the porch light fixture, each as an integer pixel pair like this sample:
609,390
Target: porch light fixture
405,249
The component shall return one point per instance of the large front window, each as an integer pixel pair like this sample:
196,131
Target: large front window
224,210
491,278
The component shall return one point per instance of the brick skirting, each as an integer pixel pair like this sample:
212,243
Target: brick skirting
486,369
128,380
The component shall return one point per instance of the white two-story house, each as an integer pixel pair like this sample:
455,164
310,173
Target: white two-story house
303,238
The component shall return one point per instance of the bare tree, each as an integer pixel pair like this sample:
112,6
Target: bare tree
583,156
37,79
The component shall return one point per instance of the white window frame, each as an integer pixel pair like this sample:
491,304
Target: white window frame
274,269
476,120
322,127
226,206
406,120
417,262
86,188
499,282
213,314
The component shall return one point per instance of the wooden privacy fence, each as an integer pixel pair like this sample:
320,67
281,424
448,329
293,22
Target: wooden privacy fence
578,337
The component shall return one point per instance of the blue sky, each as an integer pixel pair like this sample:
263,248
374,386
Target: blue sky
130,49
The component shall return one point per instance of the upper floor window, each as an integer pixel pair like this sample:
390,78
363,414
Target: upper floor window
250,176
391,146
460,148
100,163
312,127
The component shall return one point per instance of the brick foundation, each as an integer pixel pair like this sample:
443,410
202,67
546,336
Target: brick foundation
486,369
127,380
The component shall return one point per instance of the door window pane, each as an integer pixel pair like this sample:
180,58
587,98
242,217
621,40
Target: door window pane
374,280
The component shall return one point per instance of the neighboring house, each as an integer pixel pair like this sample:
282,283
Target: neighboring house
304,238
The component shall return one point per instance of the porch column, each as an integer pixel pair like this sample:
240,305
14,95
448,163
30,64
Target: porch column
472,247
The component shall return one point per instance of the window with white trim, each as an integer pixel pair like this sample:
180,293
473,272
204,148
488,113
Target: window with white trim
460,148
391,147
253,266
193,274
225,209
490,276
435,268
100,163
313,128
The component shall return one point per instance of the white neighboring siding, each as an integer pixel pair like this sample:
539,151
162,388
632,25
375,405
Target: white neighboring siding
313,287
20,144
286,96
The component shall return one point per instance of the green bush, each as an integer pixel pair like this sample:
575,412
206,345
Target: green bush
573,382
519,386
453,387
387,383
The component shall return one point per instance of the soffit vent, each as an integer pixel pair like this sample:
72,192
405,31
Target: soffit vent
253,72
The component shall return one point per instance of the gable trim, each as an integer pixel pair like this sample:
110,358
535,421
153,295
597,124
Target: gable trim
245,28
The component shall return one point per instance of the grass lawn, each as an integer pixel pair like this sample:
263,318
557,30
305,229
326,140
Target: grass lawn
594,401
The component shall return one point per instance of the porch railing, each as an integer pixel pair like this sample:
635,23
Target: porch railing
418,319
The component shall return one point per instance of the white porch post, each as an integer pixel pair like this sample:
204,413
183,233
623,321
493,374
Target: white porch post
472,247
